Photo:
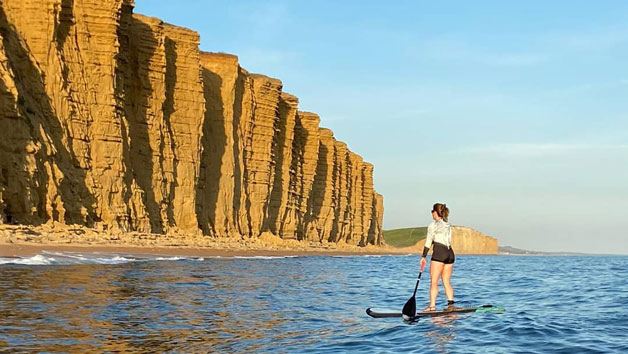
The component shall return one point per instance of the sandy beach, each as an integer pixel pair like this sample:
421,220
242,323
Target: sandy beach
26,241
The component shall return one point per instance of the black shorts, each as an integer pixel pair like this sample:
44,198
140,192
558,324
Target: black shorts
443,254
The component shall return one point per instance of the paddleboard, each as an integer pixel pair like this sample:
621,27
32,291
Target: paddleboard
383,313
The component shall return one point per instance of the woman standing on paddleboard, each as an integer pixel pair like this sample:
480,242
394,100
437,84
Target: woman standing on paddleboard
442,264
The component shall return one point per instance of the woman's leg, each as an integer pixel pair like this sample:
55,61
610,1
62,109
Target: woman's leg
436,269
449,290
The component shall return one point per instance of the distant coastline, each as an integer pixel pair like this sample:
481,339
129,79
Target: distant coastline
22,240
465,240
508,250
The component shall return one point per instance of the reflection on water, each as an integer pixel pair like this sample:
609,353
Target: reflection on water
158,305
442,331
307,303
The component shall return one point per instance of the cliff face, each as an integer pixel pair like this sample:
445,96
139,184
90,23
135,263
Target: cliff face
117,121
465,240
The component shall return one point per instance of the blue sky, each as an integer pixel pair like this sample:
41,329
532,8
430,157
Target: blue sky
513,113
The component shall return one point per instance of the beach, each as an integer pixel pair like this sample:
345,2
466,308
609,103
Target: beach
27,241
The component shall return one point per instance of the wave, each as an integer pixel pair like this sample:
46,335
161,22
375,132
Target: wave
69,258
34,260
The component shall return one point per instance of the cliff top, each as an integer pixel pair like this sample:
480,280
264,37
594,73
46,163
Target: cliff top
326,132
168,27
224,57
409,236
266,78
290,98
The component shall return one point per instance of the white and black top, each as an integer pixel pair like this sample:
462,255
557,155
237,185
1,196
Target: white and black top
438,231
439,235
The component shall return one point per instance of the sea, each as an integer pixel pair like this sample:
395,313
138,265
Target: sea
121,303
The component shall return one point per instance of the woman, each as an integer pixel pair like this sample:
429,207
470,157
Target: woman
442,264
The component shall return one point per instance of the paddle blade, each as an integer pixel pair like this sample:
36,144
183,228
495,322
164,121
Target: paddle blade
409,309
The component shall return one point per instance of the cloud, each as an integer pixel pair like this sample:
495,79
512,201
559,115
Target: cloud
539,149
510,59
262,15
591,41
456,50
258,58
545,48
590,86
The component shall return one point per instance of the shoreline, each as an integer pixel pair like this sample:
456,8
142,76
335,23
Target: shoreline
11,250
28,241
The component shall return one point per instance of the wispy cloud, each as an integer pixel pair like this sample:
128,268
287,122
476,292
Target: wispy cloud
254,58
538,149
545,48
594,40
263,15
456,50
590,86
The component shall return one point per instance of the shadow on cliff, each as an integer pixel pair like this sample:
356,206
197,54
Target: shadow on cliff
336,233
293,216
35,107
168,110
213,142
349,213
62,31
372,235
138,91
273,208
316,199
239,174
66,18
15,135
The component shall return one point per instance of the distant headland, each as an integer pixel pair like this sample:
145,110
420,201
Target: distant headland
465,240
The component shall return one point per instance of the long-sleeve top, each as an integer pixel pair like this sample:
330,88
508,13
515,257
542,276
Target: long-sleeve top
438,231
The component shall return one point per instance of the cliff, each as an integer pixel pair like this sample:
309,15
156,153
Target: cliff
117,121
465,240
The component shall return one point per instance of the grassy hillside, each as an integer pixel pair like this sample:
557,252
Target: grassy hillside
404,237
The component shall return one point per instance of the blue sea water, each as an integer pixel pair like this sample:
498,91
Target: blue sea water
131,304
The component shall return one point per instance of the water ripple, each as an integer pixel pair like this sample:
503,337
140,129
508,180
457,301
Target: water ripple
83,303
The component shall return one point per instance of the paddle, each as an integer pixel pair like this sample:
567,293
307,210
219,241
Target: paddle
409,309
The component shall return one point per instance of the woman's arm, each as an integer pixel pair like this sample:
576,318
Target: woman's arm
429,239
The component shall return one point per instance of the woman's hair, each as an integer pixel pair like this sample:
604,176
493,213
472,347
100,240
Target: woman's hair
441,210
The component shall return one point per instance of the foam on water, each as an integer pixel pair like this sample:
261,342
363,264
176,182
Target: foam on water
34,260
68,258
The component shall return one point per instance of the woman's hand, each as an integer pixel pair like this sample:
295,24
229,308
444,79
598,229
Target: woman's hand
423,263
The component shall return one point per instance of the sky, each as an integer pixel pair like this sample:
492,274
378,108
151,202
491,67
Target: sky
514,114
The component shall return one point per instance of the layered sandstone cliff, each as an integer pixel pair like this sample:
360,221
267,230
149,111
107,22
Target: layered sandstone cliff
117,121
465,240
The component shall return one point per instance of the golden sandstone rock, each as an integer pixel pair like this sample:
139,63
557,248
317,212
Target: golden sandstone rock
465,240
117,121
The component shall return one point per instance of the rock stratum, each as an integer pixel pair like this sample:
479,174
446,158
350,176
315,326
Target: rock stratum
465,240
117,121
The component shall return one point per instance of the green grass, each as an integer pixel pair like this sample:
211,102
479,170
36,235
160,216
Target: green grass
404,237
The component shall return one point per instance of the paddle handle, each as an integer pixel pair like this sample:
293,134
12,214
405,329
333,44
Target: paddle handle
418,280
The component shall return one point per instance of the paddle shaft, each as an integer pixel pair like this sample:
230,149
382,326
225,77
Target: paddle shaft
409,309
417,283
